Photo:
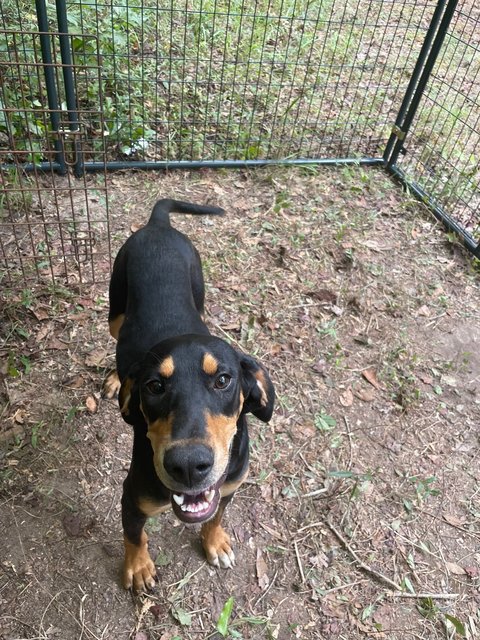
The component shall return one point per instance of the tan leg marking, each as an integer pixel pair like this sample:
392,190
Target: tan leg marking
115,325
216,542
111,385
138,569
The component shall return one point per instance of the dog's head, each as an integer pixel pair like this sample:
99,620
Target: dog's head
191,391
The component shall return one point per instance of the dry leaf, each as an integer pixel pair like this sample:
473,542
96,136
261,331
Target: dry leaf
456,569
53,343
423,311
453,520
367,395
91,404
77,382
370,376
425,378
472,572
96,358
41,313
323,295
44,330
19,416
261,567
346,398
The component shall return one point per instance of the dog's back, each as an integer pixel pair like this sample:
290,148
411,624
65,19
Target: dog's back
157,288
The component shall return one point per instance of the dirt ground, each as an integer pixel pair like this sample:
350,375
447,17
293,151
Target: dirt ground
361,516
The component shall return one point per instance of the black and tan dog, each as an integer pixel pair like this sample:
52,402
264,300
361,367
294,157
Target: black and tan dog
184,391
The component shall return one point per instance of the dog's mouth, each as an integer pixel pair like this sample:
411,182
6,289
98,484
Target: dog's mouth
197,507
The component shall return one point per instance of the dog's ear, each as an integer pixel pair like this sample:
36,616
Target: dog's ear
257,388
129,397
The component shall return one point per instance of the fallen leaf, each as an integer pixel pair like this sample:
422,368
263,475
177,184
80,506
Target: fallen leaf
44,330
323,295
423,311
425,378
19,416
472,572
320,367
366,395
76,382
53,343
91,404
456,569
41,313
261,567
96,358
346,398
370,376
453,520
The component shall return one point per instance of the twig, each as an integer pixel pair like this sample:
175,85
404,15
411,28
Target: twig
359,563
398,591
261,596
299,562
421,596
317,492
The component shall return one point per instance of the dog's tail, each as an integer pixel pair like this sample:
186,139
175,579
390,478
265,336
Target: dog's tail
162,209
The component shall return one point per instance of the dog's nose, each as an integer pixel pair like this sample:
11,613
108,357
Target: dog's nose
189,465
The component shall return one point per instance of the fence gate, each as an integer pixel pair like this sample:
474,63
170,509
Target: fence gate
87,86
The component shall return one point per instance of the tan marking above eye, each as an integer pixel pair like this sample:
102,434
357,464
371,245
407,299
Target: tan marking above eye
210,364
167,367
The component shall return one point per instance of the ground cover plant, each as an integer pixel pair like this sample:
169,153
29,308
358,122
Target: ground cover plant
361,515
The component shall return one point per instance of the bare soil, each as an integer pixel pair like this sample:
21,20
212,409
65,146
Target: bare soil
361,516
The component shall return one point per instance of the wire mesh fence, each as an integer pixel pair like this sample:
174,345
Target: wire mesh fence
92,85
236,80
442,159
49,223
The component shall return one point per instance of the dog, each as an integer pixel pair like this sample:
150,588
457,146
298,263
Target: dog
185,392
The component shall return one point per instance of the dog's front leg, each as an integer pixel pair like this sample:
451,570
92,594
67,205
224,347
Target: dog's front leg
138,570
216,542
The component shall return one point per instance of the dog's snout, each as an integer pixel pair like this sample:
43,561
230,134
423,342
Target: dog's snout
189,464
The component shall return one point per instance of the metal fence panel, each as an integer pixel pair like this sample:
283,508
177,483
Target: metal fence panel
94,84
223,80
442,149
49,223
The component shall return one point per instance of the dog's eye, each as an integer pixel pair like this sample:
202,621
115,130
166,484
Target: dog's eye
155,387
223,381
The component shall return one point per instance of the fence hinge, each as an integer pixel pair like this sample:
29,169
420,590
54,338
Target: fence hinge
396,131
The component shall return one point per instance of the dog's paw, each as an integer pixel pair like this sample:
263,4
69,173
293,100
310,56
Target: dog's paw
111,385
138,570
217,547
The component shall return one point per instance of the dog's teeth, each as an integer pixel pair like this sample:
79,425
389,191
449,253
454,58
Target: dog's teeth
179,499
209,495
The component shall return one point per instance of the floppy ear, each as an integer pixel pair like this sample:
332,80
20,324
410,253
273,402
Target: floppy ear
129,397
257,389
